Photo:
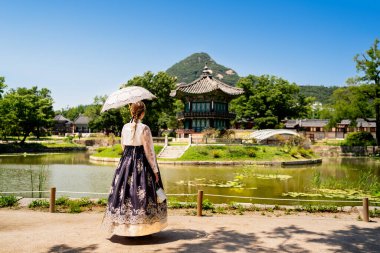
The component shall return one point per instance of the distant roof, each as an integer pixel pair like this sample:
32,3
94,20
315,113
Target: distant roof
60,118
205,84
267,133
366,123
82,120
314,122
292,123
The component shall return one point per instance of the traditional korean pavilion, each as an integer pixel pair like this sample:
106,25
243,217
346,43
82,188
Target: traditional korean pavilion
206,103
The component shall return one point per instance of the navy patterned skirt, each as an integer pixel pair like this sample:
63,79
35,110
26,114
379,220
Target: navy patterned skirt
132,208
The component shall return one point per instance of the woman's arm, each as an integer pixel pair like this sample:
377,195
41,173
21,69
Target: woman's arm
147,141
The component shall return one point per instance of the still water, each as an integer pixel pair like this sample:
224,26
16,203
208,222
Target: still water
74,172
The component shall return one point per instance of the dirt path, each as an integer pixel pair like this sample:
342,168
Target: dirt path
31,231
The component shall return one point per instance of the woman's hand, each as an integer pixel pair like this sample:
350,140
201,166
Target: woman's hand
156,174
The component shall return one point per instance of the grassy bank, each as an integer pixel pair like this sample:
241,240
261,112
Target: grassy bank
40,147
239,152
116,151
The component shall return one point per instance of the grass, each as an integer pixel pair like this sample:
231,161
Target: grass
115,151
39,203
8,201
37,147
240,152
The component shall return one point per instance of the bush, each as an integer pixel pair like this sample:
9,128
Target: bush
102,202
216,153
251,153
6,201
359,139
207,205
62,201
85,202
74,206
42,203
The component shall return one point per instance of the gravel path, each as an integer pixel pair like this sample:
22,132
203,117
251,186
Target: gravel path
33,231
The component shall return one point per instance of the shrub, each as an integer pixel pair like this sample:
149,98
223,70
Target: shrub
251,153
6,201
85,202
102,202
62,201
216,153
43,203
207,205
74,206
304,152
359,139
293,152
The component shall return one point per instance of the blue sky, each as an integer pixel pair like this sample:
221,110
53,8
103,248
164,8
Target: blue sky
83,48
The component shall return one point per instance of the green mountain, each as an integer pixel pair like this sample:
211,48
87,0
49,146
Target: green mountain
321,93
191,68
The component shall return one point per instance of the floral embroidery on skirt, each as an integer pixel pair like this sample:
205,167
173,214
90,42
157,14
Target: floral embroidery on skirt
132,209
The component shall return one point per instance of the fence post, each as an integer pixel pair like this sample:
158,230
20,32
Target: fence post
166,140
199,204
365,210
52,200
190,139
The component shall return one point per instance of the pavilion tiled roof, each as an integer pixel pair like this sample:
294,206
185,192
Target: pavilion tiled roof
60,118
82,120
205,84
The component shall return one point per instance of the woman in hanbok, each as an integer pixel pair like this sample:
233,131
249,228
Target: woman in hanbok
133,209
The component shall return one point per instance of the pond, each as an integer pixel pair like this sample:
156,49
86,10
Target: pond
75,173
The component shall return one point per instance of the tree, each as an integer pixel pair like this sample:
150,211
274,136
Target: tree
28,110
268,100
350,102
369,64
2,86
160,111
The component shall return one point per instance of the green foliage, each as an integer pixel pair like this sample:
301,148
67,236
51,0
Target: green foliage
39,203
74,206
102,202
2,86
160,111
317,179
191,68
24,111
207,205
349,103
321,93
239,152
85,202
115,151
359,139
268,100
319,208
369,65
8,201
62,201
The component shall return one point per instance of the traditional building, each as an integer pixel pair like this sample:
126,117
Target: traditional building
81,124
206,104
62,125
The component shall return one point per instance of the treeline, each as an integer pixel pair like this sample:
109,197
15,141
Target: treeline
321,93
267,102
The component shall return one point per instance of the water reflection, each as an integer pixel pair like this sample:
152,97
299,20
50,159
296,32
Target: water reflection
74,172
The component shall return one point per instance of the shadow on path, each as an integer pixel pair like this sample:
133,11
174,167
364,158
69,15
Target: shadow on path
165,236
354,239
67,249
221,240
